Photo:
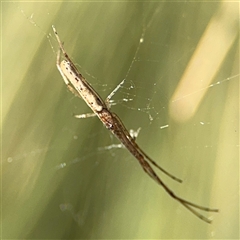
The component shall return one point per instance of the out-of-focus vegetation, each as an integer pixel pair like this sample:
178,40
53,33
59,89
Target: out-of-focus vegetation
59,180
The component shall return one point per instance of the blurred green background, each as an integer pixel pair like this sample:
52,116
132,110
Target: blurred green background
59,180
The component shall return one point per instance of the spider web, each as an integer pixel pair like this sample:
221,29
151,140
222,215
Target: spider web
149,56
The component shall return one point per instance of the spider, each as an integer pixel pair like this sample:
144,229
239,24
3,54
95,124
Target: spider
78,85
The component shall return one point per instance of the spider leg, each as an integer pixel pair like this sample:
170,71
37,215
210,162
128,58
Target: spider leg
134,144
85,115
157,166
189,205
107,101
